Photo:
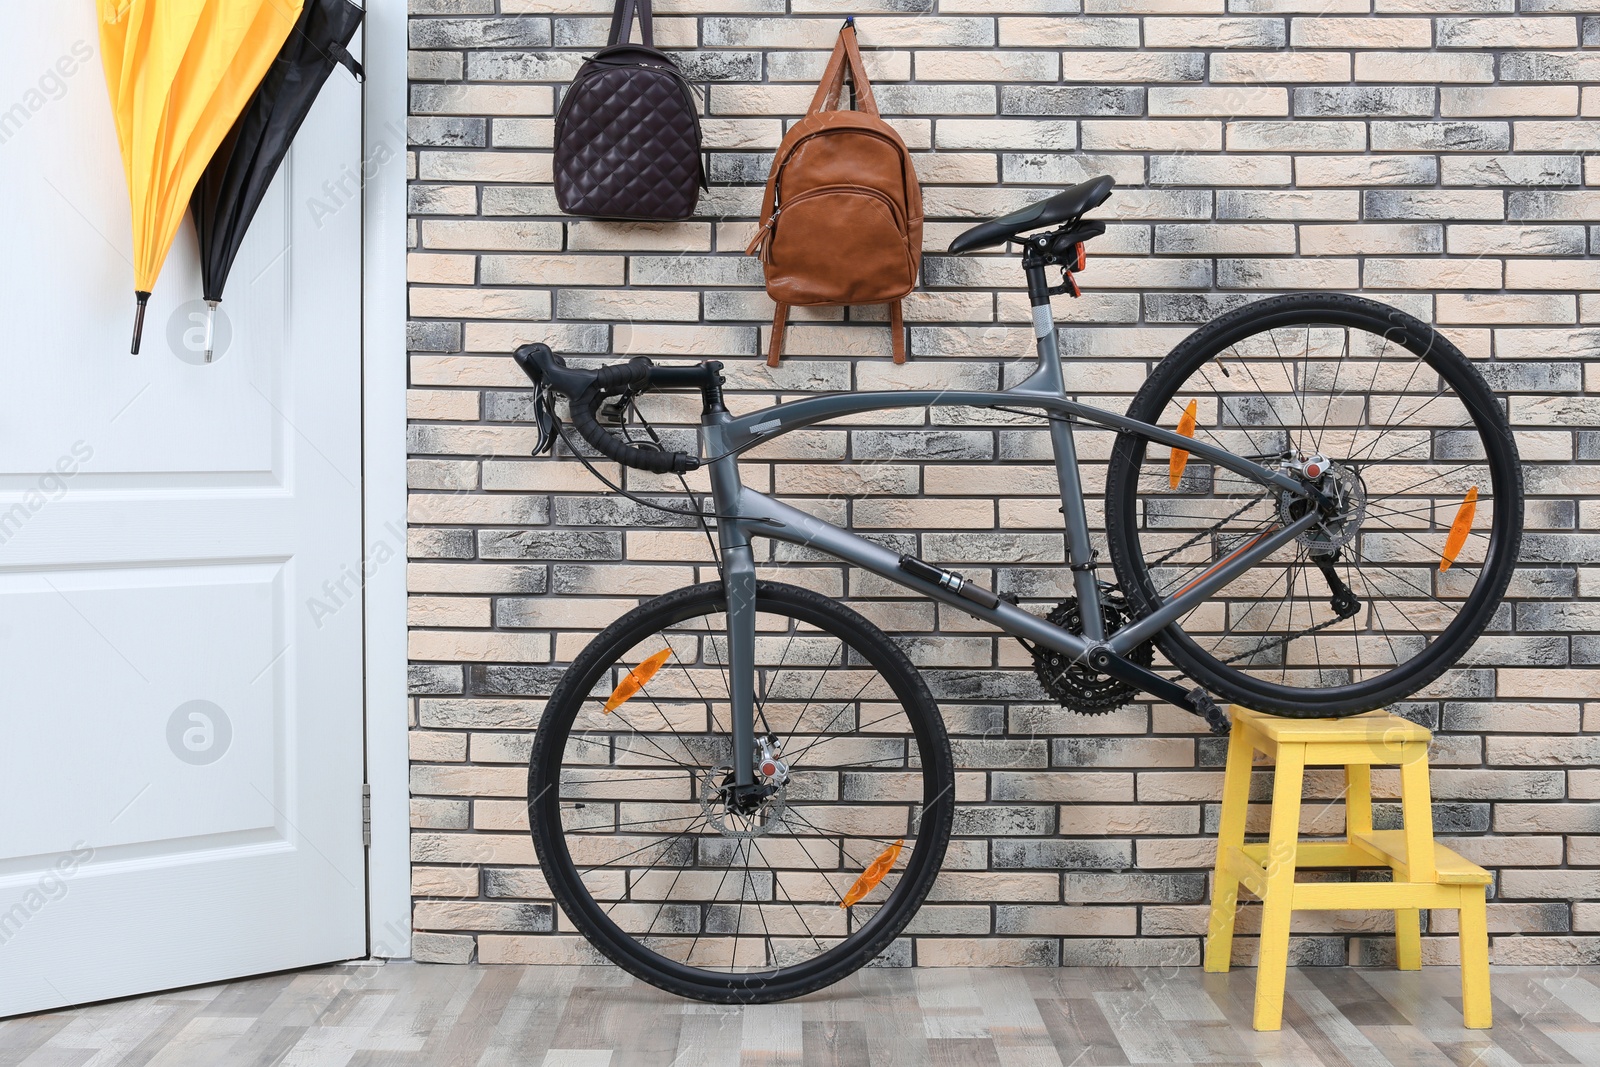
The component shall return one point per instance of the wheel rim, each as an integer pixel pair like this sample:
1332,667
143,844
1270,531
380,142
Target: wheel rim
734,896
1364,394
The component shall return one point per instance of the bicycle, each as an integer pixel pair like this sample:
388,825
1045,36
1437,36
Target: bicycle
760,732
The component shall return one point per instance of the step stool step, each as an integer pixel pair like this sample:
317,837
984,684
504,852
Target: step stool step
1450,868
1373,727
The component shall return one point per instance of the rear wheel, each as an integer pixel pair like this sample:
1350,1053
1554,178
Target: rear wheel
1418,534
741,896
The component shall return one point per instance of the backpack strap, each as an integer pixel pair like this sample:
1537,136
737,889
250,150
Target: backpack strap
622,23
780,319
897,331
846,54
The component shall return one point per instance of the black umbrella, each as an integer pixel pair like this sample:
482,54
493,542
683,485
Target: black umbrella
236,180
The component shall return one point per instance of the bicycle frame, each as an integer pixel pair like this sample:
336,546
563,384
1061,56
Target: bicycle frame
748,514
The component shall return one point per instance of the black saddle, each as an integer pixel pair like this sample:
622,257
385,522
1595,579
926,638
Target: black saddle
1063,207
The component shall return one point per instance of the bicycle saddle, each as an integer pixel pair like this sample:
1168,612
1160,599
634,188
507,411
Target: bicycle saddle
1059,208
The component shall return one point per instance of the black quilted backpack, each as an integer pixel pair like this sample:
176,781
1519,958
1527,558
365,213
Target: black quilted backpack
628,132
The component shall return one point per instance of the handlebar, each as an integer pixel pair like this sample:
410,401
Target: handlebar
587,389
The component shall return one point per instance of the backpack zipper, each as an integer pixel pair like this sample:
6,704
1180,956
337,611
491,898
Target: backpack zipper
766,228
769,231
691,95
777,189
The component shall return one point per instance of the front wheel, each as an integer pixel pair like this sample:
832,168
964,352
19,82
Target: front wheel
1420,525
729,895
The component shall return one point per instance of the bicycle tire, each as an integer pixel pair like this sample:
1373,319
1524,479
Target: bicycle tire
1447,361
877,933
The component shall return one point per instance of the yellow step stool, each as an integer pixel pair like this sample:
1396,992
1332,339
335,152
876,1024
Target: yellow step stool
1426,874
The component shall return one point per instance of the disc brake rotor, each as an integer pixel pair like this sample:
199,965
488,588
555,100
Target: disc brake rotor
1334,531
715,790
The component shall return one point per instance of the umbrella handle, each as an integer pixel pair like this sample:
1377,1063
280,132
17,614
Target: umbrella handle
142,299
211,320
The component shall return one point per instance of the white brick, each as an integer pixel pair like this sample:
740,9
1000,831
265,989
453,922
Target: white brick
1280,67
1258,145
1222,102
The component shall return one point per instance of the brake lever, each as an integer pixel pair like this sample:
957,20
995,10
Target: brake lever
545,417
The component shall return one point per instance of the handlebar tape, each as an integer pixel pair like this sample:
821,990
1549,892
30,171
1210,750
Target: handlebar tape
634,374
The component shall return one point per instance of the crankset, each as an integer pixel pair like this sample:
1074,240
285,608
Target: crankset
1102,681
1073,682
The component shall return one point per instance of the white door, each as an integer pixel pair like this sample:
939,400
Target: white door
180,560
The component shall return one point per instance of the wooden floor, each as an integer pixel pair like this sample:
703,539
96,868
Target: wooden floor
409,1015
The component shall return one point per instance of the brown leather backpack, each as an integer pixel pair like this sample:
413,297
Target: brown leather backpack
841,222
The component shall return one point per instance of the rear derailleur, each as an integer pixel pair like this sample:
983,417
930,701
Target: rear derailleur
1343,602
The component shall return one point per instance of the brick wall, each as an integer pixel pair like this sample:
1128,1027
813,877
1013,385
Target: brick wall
1438,161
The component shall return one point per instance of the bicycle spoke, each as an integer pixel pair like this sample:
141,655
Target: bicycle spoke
772,682
1289,376
1220,395
777,888
636,755
1355,630
770,958
665,841
790,757
724,881
842,707
1389,464
1333,389
617,713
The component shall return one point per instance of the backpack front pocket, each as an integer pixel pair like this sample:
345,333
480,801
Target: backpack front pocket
838,244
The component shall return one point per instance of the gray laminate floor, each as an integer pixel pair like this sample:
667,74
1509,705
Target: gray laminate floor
409,1015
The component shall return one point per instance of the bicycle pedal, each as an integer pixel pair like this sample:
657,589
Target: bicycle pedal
1201,703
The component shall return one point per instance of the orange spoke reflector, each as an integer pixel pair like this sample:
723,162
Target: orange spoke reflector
873,874
629,686
1459,529
1180,457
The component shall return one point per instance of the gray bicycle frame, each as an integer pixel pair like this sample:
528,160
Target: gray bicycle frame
746,514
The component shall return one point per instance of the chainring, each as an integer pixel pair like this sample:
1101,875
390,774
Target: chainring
1076,685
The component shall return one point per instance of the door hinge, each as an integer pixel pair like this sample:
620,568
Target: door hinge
366,815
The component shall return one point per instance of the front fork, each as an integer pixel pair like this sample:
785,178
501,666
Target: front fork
739,582
739,585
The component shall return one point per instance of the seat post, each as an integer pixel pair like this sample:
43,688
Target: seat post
1049,380
1034,260
1035,257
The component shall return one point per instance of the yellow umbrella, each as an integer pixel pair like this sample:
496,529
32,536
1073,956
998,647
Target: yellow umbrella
179,72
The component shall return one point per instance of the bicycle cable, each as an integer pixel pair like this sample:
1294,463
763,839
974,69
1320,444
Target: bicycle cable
561,431
633,408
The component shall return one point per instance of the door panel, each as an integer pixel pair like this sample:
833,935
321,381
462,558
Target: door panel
102,636
180,546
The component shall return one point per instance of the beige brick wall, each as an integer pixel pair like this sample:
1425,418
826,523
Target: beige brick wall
1432,153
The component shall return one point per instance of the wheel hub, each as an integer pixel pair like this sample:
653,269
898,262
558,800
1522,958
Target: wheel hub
751,811
1341,512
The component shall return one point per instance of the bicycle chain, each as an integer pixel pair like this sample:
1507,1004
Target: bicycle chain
1207,532
1212,529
